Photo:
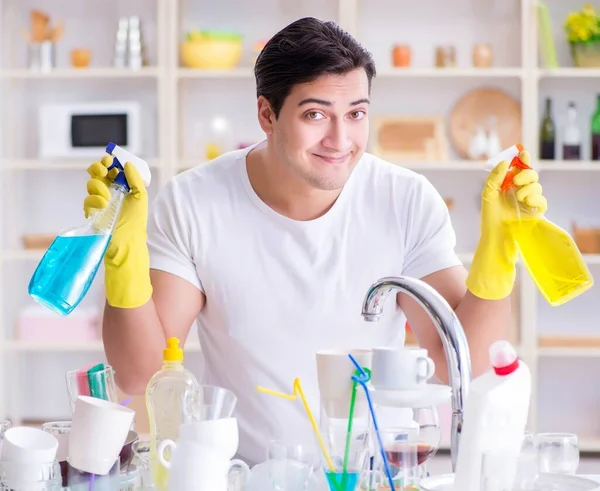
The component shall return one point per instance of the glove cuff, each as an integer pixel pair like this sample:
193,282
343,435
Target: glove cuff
492,273
127,281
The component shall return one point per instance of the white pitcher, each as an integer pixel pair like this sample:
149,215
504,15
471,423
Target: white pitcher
194,466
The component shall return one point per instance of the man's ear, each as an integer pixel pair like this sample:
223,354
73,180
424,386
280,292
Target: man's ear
266,115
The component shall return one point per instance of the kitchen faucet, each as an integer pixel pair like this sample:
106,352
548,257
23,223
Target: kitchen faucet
449,329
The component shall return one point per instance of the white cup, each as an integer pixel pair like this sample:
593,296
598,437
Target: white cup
32,445
401,368
334,375
99,430
193,467
222,435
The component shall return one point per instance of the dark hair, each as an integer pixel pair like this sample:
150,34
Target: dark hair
302,52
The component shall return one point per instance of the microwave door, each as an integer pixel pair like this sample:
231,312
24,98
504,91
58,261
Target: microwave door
92,131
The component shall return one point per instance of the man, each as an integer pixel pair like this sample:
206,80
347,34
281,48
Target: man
271,249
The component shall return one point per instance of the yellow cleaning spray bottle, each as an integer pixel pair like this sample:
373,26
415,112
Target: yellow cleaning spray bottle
549,253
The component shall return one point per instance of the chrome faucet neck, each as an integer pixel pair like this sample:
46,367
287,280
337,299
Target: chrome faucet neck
449,329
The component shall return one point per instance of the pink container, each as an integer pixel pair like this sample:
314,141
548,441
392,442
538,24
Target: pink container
39,324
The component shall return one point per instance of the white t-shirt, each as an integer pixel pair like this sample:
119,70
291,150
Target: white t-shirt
278,290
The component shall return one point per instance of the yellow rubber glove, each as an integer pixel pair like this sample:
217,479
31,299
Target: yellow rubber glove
492,273
127,261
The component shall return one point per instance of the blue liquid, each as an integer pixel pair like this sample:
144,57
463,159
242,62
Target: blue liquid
334,478
67,271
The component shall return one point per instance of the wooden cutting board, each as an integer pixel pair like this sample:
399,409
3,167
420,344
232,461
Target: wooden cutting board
476,109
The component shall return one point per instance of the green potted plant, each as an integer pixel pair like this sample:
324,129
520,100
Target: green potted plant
583,33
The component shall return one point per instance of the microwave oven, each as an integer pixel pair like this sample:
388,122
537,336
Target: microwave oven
83,130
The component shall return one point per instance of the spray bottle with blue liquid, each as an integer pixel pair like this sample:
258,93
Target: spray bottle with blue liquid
69,266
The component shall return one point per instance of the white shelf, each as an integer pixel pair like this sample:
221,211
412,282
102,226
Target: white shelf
79,347
569,352
570,166
77,73
202,73
451,72
569,73
57,164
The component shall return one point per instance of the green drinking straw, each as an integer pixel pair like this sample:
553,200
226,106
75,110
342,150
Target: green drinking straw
349,431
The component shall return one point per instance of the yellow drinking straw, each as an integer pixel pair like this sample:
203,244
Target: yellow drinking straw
291,397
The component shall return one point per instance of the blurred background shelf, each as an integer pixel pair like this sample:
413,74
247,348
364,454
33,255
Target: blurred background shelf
181,106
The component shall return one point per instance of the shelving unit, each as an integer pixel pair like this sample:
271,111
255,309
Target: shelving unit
180,97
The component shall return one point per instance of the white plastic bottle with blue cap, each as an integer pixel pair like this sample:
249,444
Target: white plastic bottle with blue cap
69,266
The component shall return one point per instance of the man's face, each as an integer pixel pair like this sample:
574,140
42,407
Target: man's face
323,128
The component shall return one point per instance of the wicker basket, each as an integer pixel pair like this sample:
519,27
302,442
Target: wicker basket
587,239
37,241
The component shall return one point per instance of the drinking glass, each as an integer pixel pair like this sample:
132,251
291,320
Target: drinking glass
214,403
4,425
350,454
25,475
557,453
404,453
292,465
498,468
100,384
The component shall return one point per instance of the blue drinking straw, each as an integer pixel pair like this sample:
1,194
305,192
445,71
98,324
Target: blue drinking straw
362,380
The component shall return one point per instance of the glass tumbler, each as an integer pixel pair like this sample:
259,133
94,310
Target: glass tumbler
557,453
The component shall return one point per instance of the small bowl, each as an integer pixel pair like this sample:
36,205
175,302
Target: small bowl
212,50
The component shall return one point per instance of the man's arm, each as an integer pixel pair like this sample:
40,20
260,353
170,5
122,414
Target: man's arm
134,339
484,321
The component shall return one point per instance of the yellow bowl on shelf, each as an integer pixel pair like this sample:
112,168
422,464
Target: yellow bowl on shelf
212,50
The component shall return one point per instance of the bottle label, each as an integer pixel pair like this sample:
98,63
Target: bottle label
547,150
596,147
571,152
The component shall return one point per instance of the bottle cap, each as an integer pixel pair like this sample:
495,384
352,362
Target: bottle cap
503,357
511,154
172,352
121,157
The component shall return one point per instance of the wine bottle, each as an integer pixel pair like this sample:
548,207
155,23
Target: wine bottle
596,132
571,135
548,134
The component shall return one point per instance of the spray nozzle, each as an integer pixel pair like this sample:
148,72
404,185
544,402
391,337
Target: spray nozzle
516,164
120,158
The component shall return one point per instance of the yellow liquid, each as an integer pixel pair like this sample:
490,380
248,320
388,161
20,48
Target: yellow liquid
552,259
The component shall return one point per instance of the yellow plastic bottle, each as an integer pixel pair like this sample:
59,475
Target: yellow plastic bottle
549,253
170,397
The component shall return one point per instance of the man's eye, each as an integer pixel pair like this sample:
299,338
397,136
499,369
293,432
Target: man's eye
314,115
358,114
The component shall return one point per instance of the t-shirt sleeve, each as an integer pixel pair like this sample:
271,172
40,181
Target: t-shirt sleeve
430,239
169,241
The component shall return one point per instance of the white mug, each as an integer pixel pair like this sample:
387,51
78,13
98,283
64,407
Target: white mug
31,445
98,432
193,466
222,435
334,376
401,368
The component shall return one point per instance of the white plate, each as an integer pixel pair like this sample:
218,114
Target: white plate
549,482
429,395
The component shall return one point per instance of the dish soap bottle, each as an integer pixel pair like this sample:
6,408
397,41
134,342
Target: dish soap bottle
69,266
495,417
549,253
170,401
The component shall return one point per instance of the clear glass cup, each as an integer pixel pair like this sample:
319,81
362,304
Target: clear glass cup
557,453
4,425
354,450
83,481
27,475
214,403
60,430
404,452
99,383
292,465
141,451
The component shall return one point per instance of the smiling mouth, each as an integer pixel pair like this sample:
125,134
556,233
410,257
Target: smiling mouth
333,160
